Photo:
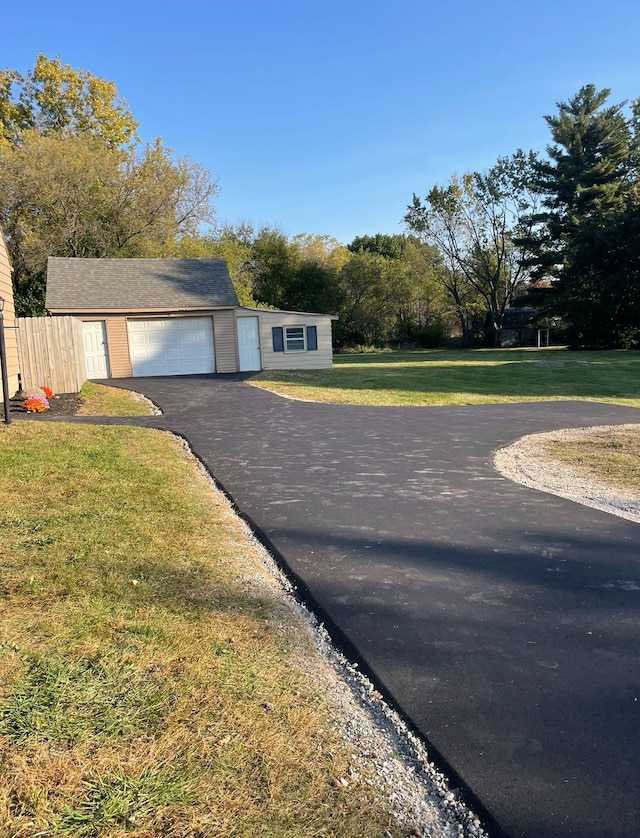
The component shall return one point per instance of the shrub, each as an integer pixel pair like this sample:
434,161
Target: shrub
432,336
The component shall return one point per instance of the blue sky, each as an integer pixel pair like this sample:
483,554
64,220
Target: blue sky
325,117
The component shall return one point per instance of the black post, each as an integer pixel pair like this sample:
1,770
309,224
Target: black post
3,366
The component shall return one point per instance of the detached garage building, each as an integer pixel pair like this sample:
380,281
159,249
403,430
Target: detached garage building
147,317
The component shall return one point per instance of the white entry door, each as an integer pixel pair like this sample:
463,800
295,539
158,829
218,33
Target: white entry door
95,349
248,344
171,346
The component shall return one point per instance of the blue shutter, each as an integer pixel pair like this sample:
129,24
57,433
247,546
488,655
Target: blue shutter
277,333
312,337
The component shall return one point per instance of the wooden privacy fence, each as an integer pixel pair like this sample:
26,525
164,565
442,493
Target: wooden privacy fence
51,352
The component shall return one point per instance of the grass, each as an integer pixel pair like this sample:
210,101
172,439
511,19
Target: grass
152,682
99,400
123,801
465,377
61,700
611,456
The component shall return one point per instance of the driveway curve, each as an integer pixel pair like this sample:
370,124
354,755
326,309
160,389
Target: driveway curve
503,622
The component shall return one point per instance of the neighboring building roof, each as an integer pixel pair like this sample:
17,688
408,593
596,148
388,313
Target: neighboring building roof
518,318
267,310
132,284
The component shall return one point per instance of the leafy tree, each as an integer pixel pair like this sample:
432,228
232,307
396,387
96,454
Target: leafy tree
428,317
314,248
233,244
477,224
54,98
315,288
271,270
273,263
297,274
391,247
53,202
579,239
366,315
72,196
73,184
161,198
318,263
406,299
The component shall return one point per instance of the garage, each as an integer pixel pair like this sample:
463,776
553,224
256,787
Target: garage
171,346
168,317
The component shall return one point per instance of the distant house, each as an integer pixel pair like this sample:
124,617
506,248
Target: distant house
149,317
517,327
10,336
525,326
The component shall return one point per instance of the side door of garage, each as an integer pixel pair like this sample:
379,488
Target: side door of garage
95,349
248,344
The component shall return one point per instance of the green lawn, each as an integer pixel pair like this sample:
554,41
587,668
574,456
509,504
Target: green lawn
98,400
462,377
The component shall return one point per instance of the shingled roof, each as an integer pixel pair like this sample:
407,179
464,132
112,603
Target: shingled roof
138,284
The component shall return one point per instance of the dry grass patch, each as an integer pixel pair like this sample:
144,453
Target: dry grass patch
610,456
152,680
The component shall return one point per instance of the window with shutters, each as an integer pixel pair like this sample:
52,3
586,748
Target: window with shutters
294,339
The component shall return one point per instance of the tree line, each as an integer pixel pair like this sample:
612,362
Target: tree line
558,231
384,288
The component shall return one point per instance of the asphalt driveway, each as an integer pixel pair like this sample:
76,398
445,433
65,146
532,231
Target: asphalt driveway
502,621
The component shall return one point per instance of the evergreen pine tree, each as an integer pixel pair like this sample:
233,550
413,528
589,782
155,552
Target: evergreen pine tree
587,185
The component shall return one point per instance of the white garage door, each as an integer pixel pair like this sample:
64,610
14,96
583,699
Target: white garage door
171,346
